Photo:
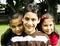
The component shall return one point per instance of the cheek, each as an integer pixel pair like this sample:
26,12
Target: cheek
44,28
52,28
35,22
24,22
13,29
21,27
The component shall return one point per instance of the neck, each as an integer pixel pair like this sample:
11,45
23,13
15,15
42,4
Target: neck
30,32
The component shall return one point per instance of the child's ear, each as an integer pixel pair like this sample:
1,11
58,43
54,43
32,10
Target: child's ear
39,20
22,19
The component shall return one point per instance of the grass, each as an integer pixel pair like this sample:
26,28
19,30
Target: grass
58,29
3,28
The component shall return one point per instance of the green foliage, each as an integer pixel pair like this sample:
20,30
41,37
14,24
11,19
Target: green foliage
16,5
2,6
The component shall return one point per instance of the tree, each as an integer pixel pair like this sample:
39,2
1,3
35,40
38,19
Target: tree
52,7
17,6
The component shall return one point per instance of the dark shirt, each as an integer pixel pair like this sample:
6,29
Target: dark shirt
36,39
6,36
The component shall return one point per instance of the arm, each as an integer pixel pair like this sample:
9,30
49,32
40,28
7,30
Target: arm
5,37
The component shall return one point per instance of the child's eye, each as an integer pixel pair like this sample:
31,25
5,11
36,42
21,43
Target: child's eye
33,19
13,26
27,18
50,24
45,25
20,25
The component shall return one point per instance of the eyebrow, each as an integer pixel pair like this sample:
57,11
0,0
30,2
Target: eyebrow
20,24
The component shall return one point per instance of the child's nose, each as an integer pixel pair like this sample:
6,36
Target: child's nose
30,22
48,27
17,28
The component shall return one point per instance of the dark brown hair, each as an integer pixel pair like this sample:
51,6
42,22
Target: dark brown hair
32,8
14,16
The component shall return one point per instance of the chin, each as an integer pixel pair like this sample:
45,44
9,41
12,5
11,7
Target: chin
28,30
48,33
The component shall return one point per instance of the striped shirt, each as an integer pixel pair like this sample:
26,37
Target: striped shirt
36,39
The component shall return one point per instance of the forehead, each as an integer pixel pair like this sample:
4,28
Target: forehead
16,21
30,15
48,21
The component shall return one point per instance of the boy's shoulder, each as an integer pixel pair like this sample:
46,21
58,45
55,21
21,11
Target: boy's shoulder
7,32
39,33
42,36
6,36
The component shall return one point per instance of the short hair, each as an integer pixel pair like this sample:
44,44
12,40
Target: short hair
32,8
14,16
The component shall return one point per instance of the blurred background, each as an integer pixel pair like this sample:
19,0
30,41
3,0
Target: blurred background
11,6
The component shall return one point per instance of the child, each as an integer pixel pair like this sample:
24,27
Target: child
31,36
47,26
16,29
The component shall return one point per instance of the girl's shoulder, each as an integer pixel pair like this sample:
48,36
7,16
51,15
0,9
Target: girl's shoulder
5,36
41,33
54,38
54,35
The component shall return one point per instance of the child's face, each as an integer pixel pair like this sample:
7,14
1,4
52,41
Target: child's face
16,26
48,26
30,21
